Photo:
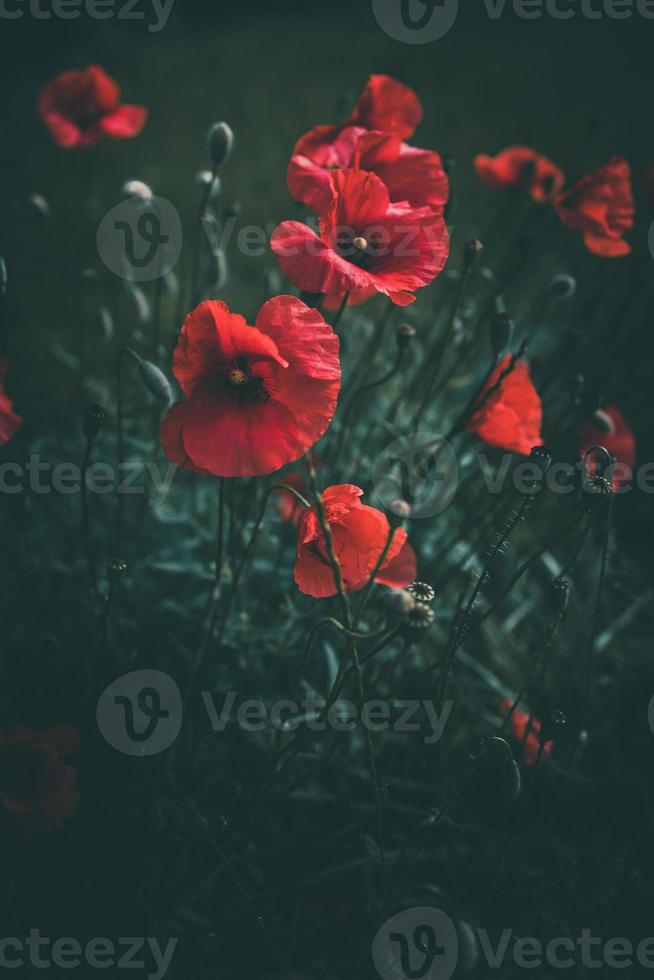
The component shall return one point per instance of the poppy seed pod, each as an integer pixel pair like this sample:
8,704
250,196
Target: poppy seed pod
553,725
405,335
501,333
136,190
422,592
471,253
116,568
93,418
220,142
418,620
563,286
560,594
155,381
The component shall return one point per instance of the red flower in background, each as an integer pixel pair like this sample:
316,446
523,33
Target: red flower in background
410,174
9,421
38,792
366,245
80,108
601,205
359,534
610,430
519,727
511,417
521,168
385,105
256,397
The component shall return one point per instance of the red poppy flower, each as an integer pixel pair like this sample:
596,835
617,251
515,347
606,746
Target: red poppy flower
412,175
366,245
521,168
385,105
519,726
256,397
80,108
601,205
511,417
38,792
610,430
9,421
359,534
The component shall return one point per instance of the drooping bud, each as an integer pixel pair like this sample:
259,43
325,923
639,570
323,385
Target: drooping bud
220,142
501,333
136,190
155,381
93,419
542,457
405,335
401,508
471,253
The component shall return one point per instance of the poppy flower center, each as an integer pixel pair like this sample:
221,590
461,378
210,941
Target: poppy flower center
242,385
355,248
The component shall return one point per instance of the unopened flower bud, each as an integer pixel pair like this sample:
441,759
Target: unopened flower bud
471,253
155,381
93,419
422,592
39,204
501,333
220,142
104,324
405,335
602,420
401,508
501,768
136,190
